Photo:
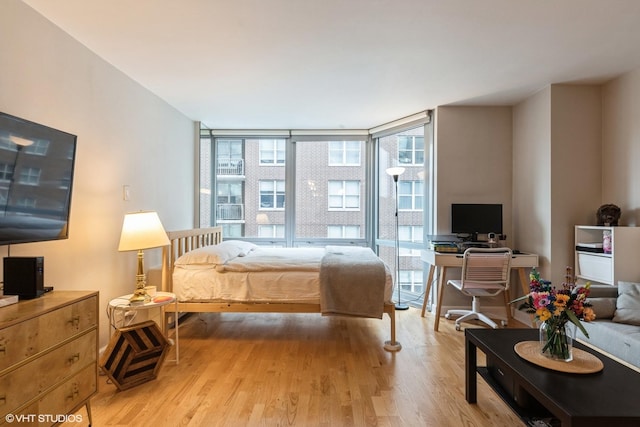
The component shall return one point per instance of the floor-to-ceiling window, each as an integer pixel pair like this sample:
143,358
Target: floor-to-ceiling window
300,189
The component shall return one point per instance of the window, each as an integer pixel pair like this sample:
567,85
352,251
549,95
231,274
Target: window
329,190
39,147
410,233
344,153
30,176
344,195
411,150
272,194
229,204
6,172
272,152
229,157
411,281
297,188
410,195
343,231
271,231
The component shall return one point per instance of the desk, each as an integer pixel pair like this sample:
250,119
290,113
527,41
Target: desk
442,261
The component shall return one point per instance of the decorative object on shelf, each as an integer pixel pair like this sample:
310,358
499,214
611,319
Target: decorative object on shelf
141,230
555,308
608,215
395,173
606,241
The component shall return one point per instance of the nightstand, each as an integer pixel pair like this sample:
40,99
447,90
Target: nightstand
122,314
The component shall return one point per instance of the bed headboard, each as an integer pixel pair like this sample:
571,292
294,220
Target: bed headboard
181,242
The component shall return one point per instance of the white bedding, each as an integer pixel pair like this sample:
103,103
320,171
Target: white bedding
261,275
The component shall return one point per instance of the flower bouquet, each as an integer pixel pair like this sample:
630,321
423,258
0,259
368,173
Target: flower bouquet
555,308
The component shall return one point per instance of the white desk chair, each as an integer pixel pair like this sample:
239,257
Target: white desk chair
485,273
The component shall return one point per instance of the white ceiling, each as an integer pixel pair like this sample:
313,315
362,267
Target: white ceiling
353,64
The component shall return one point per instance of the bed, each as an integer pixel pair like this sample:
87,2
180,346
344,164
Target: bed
204,272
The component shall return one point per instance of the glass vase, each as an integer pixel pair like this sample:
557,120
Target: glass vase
556,340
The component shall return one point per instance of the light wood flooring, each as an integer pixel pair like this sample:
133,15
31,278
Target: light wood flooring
306,370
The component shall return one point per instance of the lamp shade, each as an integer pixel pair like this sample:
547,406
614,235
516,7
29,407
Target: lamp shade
397,171
142,230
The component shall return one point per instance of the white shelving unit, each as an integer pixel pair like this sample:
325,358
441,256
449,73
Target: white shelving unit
620,264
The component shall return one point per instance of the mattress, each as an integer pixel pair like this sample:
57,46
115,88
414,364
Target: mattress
286,275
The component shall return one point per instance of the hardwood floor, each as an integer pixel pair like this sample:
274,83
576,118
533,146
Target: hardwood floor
306,370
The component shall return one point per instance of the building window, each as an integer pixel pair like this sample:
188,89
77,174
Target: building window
272,194
410,195
6,172
343,231
30,176
272,152
411,281
230,230
39,148
272,231
410,233
344,153
229,205
229,161
411,150
344,195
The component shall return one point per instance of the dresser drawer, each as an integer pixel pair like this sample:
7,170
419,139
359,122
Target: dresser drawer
31,337
37,377
64,399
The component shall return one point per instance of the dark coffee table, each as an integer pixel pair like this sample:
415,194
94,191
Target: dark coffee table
606,398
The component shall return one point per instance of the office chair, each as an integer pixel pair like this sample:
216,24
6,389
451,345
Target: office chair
485,273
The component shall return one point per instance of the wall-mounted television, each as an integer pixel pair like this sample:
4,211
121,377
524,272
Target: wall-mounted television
36,178
468,219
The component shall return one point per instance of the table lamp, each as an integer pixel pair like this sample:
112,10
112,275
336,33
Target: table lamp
141,230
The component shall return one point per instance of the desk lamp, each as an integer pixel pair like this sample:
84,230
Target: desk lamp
141,230
395,173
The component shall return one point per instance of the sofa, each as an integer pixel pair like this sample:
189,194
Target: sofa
616,329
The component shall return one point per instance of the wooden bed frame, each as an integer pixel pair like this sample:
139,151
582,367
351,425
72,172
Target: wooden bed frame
184,241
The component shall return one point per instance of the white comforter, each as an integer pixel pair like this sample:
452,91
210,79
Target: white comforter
263,275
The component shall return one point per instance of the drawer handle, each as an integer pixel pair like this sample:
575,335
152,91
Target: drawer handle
74,393
3,349
75,321
3,399
73,359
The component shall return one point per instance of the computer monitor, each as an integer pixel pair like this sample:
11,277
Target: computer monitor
468,219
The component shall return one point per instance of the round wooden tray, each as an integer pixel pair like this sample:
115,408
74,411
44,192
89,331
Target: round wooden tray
582,363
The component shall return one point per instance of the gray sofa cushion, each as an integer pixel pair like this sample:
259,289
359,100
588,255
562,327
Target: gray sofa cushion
604,308
618,339
628,304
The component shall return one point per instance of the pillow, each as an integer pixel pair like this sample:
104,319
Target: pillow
628,303
604,308
216,254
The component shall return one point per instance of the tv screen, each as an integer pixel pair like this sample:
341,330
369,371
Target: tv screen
36,177
474,219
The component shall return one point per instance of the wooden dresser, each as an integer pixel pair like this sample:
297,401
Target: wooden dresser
48,357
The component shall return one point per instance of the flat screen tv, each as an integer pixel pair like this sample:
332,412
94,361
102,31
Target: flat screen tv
36,177
472,219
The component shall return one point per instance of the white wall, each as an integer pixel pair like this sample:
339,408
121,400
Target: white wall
126,135
473,154
557,172
621,146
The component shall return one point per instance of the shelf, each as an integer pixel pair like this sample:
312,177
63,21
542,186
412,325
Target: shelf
538,416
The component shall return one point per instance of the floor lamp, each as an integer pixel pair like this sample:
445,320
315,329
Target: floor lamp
395,173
